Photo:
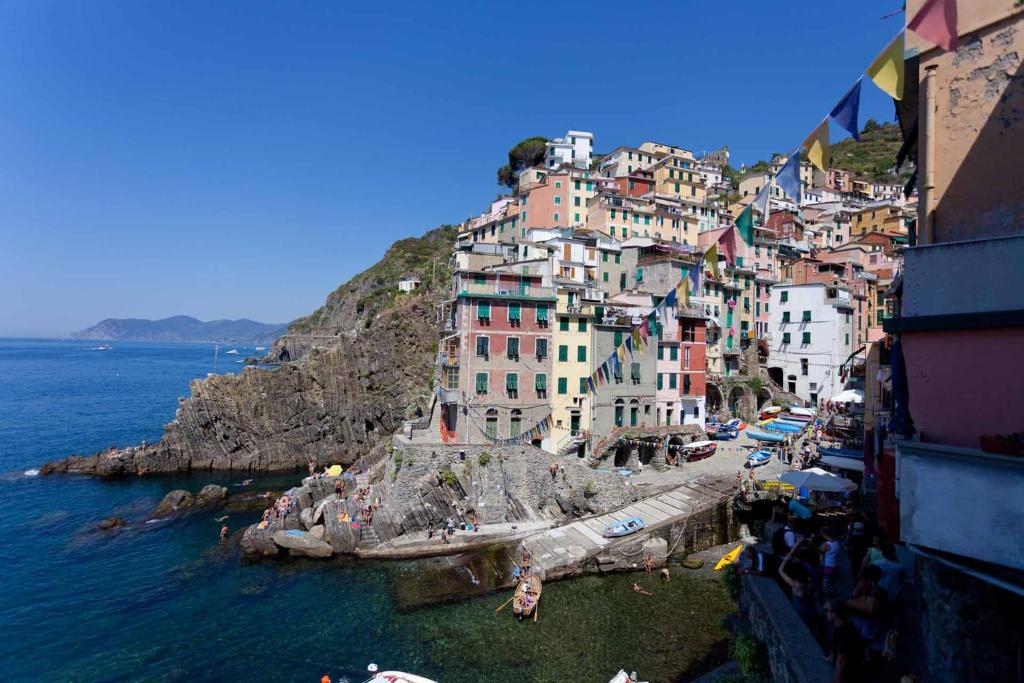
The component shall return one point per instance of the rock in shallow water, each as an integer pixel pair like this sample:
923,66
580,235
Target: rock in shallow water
112,523
302,544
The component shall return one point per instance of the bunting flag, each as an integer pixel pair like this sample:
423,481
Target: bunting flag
711,259
816,144
644,333
616,363
600,374
607,369
745,225
936,23
590,383
669,301
761,202
683,292
845,113
636,339
728,242
629,344
621,353
694,275
788,177
887,69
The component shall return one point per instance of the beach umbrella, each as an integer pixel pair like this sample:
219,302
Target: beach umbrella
849,396
817,479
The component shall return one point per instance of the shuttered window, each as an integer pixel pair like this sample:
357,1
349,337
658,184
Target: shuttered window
481,382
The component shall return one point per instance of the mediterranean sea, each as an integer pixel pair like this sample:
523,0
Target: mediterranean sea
164,601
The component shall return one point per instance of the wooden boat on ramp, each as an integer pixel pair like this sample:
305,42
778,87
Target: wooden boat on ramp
527,596
698,450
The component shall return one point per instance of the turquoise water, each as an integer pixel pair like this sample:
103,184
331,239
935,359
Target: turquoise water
166,602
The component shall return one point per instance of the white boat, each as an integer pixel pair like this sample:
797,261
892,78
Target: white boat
104,347
232,352
261,348
398,677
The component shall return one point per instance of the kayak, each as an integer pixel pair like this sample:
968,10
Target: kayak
729,558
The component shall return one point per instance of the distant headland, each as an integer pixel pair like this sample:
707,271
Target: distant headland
183,328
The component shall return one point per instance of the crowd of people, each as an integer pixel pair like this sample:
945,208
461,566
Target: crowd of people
845,583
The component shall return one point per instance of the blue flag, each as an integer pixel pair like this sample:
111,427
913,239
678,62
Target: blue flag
670,299
788,177
845,113
629,345
694,274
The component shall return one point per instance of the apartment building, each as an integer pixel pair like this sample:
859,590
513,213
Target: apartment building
576,148
577,309
885,218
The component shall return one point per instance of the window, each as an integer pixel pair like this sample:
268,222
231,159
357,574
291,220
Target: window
622,280
563,324
483,311
514,313
618,412
672,381
481,382
803,366
660,382
785,337
581,326
618,258
617,339
847,339
512,384
807,316
576,183
746,303
491,428
558,184
451,378
604,256
515,422
686,385
483,347
639,274
673,353
617,371
583,385
661,352
479,279
540,381
686,358
604,275
563,386
542,315
581,354
558,200
806,338
634,372
576,216
555,218
563,353
634,412
784,297
542,349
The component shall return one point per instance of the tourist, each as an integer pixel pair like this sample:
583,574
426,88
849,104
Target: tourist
847,651
868,604
516,574
553,469
799,510
796,576
648,563
641,591
784,539
892,571
224,533
339,487
829,549
312,467
856,545
751,561
665,576
444,537
430,532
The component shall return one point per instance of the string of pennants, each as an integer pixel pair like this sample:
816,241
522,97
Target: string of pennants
936,22
535,432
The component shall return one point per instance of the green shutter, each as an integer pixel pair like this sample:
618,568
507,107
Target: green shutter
660,382
563,324
483,310
673,353
581,354
785,316
479,279
672,380
541,381
618,258
784,297
599,313
514,312
807,316
583,385
617,339
563,385
563,353
807,338
661,352
512,382
481,382
582,325
785,337
542,314
634,371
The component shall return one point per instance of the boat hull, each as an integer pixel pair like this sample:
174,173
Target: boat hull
526,597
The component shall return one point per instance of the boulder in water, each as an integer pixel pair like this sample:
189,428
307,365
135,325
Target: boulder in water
256,541
211,494
112,523
175,501
302,544
306,517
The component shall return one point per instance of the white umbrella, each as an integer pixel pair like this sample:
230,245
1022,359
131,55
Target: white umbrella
817,479
849,396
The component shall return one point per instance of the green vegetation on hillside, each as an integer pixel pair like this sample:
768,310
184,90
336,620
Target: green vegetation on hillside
523,155
376,288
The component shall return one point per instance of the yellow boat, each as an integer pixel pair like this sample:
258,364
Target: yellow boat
729,558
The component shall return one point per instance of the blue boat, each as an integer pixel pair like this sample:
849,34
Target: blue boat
765,436
758,458
724,434
624,528
776,426
841,452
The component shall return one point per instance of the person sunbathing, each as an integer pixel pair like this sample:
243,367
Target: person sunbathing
637,589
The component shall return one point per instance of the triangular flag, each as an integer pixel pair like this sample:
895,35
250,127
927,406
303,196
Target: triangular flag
670,300
845,113
788,177
621,353
590,383
644,332
817,148
728,242
745,224
711,259
936,22
636,339
629,344
887,69
761,201
694,275
683,292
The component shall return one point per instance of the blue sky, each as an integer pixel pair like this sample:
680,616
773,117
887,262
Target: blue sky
243,159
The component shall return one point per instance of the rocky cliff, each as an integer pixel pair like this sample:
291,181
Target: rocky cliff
362,364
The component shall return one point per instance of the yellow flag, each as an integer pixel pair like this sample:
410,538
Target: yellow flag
683,292
621,351
817,147
711,258
887,69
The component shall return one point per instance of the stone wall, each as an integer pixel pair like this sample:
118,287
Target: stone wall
794,655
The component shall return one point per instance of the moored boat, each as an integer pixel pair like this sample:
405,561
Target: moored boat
770,412
698,450
758,458
765,436
723,434
624,527
526,597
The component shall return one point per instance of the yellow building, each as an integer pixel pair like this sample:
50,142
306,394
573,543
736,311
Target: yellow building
677,176
575,312
884,218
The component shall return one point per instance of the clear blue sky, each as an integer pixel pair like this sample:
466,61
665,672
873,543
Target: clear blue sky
243,159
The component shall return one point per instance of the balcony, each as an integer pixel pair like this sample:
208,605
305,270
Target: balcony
938,483
449,395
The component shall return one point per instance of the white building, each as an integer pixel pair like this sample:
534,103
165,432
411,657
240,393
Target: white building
812,334
575,149
408,285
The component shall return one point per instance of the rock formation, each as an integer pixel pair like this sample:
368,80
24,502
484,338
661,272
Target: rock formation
179,500
358,366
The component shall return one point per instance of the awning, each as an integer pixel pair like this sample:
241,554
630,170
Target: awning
817,479
841,463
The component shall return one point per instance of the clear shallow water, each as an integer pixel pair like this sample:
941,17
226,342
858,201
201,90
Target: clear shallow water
166,602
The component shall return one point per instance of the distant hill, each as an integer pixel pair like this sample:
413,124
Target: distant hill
183,328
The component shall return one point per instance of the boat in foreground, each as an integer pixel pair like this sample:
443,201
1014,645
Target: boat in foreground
527,596
698,450
758,458
624,528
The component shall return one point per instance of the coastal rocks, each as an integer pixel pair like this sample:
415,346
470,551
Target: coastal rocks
341,535
256,541
302,544
179,500
111,523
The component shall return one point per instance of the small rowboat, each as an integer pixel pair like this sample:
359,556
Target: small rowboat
769,413
765,436
795,418
758,458
723,434
698,450
729,558
527,595
624,528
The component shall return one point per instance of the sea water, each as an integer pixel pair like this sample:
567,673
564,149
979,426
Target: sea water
165,601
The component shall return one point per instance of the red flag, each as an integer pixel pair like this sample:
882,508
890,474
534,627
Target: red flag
727,242
936,22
